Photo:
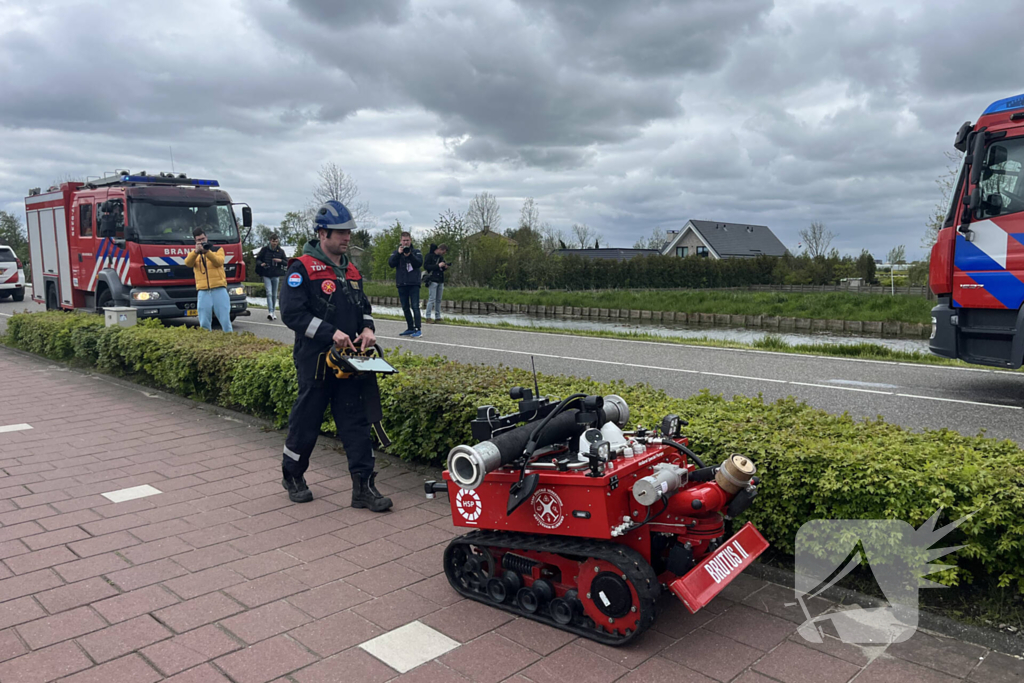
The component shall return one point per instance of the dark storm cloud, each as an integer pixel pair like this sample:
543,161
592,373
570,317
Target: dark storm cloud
623,115
652,37
516,77
350,12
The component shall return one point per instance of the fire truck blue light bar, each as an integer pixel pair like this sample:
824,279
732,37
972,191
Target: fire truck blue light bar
183,181
1006,105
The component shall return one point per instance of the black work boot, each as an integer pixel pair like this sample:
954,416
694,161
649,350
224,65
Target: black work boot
297,490
366,495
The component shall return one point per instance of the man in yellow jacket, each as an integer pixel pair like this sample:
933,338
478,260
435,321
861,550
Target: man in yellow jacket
207,261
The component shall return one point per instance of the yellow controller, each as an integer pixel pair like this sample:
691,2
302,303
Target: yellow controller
335,362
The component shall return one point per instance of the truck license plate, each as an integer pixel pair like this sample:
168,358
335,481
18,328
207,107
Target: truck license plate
712,574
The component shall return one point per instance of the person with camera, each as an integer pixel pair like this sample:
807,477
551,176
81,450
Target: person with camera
325,305
271,264
435,267
207,263
407,260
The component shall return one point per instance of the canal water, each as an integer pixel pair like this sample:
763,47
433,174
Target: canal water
670,330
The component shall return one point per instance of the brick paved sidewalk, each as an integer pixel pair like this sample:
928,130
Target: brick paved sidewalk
219,577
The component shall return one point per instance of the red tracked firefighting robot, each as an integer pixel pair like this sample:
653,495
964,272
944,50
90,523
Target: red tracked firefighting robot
581,526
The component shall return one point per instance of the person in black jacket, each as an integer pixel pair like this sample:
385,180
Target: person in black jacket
325,305
271,263
436,266
407,261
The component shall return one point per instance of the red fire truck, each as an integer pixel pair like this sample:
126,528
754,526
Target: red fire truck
977,264
121,240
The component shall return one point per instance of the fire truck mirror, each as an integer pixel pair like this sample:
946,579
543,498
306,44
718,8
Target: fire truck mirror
246,217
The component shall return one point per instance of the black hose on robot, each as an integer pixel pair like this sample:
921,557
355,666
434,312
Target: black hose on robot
703,474
685,451
468,465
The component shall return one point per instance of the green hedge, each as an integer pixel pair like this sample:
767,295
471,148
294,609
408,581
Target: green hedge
815,465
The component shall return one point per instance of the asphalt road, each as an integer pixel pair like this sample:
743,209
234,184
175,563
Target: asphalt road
967,400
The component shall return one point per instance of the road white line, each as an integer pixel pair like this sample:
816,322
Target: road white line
829,386
919,366
956,400
712,374
756,379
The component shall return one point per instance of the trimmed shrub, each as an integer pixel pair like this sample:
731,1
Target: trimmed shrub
814,465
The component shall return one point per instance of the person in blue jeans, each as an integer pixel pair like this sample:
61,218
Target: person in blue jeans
435,265
207,263
272,263
407,261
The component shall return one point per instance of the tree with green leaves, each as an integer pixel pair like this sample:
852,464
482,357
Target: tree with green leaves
865,267
12,233
450,229
296,229
383,243
897,255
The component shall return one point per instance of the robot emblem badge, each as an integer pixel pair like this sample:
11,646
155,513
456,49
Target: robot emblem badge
468,502
547,509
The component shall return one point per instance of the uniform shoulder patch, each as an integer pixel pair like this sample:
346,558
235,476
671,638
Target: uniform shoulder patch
295,279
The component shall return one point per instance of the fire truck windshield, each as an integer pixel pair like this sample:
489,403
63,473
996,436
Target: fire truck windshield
157,223
1002,178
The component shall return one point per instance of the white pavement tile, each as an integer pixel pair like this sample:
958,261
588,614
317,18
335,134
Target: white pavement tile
131,493
408,646
15,428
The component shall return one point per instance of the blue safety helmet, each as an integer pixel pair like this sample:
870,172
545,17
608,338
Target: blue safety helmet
333,215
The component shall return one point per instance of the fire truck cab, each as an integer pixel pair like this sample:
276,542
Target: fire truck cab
977,263
122,240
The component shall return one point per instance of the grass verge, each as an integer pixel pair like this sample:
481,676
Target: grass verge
823,306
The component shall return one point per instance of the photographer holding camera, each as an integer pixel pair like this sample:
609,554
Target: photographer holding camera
407,260
207,262
436,267
271,265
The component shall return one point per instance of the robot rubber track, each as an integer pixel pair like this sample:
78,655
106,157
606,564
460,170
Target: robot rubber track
471,561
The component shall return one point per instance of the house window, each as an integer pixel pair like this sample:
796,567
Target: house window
702,251
682,251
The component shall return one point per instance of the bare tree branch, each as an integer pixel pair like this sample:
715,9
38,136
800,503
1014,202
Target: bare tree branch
335,184
484,212
946,183
817,239
529,215
584,235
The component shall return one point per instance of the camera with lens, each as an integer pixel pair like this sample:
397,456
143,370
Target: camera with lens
406,250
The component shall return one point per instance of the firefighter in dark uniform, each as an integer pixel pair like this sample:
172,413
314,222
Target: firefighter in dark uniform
323,301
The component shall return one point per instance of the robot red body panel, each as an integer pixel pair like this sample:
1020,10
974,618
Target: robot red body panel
582,526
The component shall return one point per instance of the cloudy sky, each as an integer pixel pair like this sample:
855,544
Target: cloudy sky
622,115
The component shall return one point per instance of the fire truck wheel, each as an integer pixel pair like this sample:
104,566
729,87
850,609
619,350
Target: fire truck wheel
104,299
51,298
